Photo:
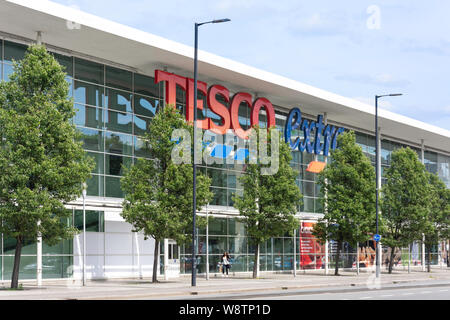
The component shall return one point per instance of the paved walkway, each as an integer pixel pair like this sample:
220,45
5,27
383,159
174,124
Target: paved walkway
179,287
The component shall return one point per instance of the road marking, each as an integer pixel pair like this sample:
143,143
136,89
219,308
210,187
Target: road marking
365,298
387,295
425,292
443,290
407,294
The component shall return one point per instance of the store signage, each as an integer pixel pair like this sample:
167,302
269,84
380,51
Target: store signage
310,128
230,117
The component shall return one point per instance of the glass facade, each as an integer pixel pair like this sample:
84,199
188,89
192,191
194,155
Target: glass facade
57,260
115,108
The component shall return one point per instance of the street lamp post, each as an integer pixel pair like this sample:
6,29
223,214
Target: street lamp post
377,173
194,205
84,233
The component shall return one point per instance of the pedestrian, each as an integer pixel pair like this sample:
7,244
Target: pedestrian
225,263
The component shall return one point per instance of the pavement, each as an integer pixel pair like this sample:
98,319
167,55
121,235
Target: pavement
217,286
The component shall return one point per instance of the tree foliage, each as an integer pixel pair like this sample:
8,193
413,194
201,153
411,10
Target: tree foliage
405,198
158,193
269,202
348,183
437,226
42,165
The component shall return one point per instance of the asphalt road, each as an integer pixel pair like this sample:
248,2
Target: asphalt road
423,291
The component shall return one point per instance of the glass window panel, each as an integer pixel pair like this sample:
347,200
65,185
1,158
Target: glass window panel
239,263
219,197
288,245
113,188
92,220
430,160
233,193
318,206
146,106
218,177
67,268
236,227
66,62
146,85
115,164
307,158
141,125
27,268
181,95
55,249
89,71
118,143
361,140
98,158
308,189
9,246
88,116
308,204
95,186
118,78
118,100
7,71
278,245
218,226
309,175
217,245
52,267
14,51
118,121
92,139
70,82
141,148
86,93
277,263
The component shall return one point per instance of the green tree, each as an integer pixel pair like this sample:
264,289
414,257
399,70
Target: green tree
42,165
348,183
158,192
404,201
269,201
438,219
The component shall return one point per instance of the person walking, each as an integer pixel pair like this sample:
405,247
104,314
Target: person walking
225,263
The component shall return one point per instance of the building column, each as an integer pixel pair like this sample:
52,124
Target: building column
39,258
166,259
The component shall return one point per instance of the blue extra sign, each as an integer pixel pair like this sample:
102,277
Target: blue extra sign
310,129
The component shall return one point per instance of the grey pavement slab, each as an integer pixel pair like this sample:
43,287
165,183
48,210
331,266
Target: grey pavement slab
181,287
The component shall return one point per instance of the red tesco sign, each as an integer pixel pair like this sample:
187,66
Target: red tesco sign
230,117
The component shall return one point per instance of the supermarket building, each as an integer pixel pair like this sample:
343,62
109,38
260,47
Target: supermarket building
111,70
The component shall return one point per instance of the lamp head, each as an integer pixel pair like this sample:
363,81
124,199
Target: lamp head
221,20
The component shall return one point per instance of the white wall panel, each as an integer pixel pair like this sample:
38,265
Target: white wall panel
118,243
94,243
119,266
117,226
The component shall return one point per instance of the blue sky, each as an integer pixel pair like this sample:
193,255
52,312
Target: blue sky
354,48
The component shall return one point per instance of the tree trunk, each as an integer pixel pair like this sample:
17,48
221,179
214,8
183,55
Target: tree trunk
15,274
156,262
338,255
429,258
256,263
391,260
